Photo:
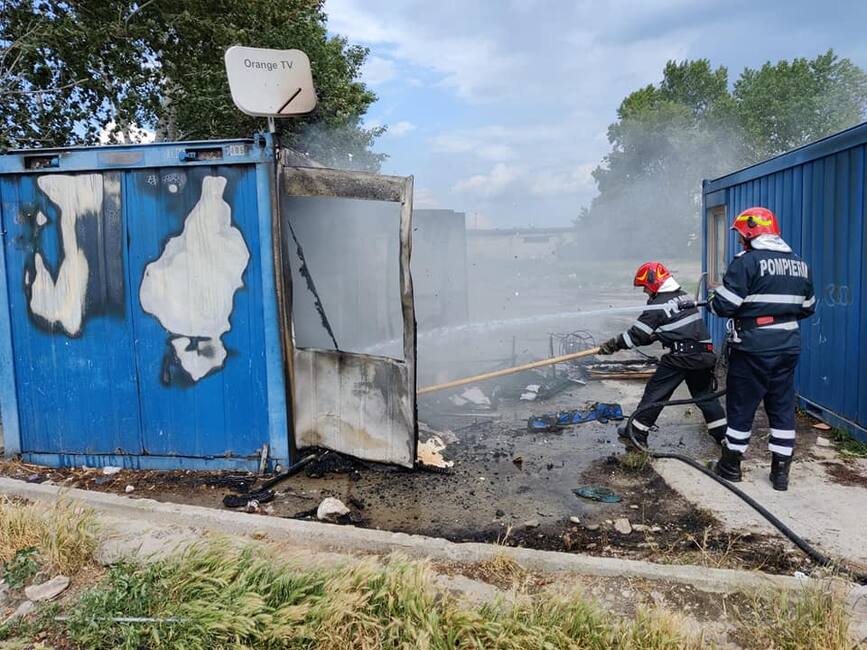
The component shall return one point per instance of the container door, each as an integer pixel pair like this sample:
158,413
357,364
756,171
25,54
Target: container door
347,300
197,294
70,313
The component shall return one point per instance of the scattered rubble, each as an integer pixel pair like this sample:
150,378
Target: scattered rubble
110,470
623,526
597,493
554,422
47,590
331,509
473,395
252,506
24,609
429,453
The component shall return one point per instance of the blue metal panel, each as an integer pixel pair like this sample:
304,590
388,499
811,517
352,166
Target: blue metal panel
8,396
818,192
75,375
277,413
138,156
159,365
128,461
221,412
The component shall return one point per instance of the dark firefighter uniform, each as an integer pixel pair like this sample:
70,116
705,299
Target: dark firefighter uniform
766,291
690,358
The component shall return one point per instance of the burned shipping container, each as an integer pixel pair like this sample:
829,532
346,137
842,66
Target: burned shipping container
818,194
154,315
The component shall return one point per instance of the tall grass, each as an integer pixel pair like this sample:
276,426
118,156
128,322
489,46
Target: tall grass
64,534
223,596
814,618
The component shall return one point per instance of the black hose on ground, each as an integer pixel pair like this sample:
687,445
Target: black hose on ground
816,556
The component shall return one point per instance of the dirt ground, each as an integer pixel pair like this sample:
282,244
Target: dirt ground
507,485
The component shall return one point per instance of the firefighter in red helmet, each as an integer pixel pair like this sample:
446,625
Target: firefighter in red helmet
678,325
766,290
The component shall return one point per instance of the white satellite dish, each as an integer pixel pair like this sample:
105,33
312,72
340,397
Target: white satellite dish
270,83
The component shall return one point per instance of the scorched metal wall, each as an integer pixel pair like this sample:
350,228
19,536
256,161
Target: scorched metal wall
818,193
138,314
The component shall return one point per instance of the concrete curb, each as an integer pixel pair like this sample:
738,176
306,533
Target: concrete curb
349,539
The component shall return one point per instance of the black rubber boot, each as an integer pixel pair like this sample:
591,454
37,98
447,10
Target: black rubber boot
780,471
729,465
640,437
718,434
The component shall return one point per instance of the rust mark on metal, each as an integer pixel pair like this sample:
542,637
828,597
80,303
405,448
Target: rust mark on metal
310,181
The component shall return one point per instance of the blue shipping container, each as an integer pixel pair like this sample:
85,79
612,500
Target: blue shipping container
818,193
138,313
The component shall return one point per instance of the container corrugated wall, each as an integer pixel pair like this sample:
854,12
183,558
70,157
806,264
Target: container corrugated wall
138,314
818,193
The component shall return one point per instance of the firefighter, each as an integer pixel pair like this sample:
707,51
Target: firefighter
678,325
766,290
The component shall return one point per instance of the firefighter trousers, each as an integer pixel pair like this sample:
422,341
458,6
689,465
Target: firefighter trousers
665,381
752,379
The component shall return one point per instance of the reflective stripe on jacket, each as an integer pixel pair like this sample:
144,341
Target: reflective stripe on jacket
666,326
766,293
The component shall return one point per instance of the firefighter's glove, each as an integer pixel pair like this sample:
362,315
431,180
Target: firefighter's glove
684,303
610,346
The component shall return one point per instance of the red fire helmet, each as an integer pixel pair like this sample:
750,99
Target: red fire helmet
753,222
651,275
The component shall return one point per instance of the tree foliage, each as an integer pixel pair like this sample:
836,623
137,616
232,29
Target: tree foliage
788,104
73,69
690,126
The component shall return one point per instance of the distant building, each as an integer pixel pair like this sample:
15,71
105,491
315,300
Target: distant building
439,267
518,243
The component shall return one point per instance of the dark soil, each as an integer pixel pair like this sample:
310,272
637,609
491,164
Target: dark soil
507,485
846,473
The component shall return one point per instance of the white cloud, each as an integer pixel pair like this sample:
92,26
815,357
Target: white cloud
568,181
422,197
400,129
477,66
500,179
377,70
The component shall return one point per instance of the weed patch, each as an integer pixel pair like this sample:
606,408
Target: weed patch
18,571
64,535
846,445
813,618
219,595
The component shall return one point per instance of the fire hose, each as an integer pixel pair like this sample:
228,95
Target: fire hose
810,551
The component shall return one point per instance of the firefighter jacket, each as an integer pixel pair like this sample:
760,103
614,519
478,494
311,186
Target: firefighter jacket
766,290
681,331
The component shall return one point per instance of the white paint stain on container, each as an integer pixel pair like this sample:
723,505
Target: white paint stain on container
60,300
191,287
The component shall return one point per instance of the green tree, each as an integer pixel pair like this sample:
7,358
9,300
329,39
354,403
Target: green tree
671,135
788,104
665,139
66,73
75,67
